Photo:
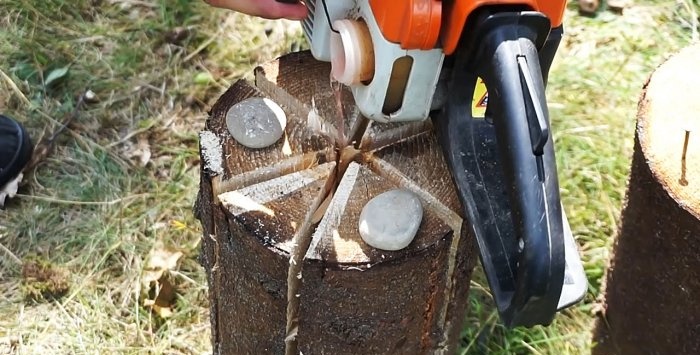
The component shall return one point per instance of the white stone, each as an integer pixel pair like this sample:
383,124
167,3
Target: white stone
256,122
391,220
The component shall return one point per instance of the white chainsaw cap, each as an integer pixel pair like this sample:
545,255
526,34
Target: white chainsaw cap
352,53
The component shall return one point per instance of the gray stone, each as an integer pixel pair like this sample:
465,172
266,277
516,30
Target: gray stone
256,122
391,220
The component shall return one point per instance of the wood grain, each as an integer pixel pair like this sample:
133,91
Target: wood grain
346,283
309,82
268,224
300,148
287,268
337,239
379,135
399,163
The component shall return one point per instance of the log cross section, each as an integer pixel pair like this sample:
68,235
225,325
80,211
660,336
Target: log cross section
288,271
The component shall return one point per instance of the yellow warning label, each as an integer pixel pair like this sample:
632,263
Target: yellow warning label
480,99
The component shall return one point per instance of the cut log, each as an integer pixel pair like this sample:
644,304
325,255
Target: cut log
287,268
653,282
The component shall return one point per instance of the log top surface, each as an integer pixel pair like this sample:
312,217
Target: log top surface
670,108
337,239
275,210
297,192
299,146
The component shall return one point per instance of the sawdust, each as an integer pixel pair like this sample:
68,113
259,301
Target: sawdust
211,152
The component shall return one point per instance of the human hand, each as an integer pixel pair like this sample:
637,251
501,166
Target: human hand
269,9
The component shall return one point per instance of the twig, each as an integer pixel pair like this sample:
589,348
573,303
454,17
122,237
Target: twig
44,147
203,46
14,88
337,89
11,254
683,180
183,276
81,203
129,136
92,273
530,347
693,24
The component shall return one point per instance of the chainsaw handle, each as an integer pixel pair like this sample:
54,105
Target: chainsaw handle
504,166
509,64
531,178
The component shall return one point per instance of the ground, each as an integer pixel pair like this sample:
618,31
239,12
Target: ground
105,221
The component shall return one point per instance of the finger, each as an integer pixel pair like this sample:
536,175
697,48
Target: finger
285,10
269,9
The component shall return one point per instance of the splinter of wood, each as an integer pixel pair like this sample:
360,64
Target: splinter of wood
338,95
683,181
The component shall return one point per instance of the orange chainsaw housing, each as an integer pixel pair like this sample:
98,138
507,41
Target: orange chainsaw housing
422,24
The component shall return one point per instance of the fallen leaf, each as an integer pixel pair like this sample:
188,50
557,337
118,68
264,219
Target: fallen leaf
163,312
158,282
55,75
9,345
141,151
165,295
203,78
144,149
177,35
178,225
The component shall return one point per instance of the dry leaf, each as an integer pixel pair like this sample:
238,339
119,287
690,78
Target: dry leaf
9,345
144,150
158,281
178,225
140,151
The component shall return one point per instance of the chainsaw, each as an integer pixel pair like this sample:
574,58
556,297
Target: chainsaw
479,69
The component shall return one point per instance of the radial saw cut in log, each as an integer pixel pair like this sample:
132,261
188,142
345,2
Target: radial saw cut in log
478,69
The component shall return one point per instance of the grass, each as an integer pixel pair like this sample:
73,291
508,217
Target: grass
121,180
594,86
93,207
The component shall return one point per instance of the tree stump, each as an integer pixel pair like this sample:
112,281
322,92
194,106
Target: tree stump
652,297
288,271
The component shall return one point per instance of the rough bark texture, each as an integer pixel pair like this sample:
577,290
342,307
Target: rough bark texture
287,269
653,283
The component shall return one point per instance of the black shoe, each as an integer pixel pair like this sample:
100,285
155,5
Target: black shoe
15,152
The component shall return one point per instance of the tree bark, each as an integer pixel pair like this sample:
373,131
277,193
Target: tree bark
653,282
288,271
